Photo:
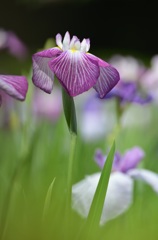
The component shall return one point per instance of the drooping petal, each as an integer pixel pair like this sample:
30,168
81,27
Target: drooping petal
43,76
147,176
118,198
15,86
108,77
131,159
76,72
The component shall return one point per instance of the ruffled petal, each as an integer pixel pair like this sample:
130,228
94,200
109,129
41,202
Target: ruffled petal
147,176
76,72
118,199
15,86
43,76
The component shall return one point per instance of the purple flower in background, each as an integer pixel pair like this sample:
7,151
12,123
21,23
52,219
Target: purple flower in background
76,69
130,87
119,195
11,42
127,164
122,163
149,79
14,86
128,92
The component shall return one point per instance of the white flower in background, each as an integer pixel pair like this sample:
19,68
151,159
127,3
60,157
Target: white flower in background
118,198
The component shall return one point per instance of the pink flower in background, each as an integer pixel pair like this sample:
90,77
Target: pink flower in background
47,106
76,69
12,43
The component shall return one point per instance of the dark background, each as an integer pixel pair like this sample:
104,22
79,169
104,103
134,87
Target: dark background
117,24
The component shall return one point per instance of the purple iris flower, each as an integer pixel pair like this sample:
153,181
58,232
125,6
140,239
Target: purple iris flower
128,165
14,86
122,163
76,69
128,92
150,78
130,87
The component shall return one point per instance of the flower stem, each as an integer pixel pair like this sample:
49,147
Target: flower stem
70,171
70,116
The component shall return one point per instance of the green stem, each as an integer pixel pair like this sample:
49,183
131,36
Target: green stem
70,116
70,171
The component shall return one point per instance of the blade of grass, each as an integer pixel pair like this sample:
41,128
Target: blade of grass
96,208
48,199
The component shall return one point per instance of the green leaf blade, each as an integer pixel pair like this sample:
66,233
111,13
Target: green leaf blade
96,208
69,111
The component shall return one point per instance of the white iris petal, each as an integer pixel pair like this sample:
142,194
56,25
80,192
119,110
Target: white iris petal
83,45
66,41
59,40
119,195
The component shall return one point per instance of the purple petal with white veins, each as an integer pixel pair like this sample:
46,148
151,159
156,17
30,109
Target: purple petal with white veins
76,71
108,78
147,176
15,86
43,76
